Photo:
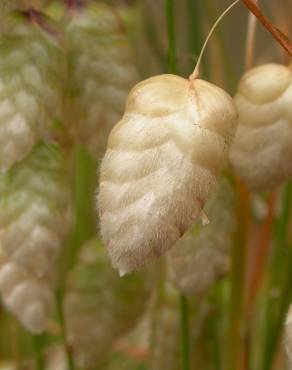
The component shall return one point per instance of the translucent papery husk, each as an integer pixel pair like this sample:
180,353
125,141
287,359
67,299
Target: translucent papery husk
202,255
161,165
35,209
29,89
101,72
27,296
261,152
99,305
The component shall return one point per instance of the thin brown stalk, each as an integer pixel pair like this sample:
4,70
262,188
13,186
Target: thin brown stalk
282,16
238,281
262,241
279,36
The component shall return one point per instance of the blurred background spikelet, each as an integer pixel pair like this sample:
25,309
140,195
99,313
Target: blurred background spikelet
101,72
99,305
29,91
29,297
35,209
261,153
201,256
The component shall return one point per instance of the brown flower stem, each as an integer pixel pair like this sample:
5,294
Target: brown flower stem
279,36
263,242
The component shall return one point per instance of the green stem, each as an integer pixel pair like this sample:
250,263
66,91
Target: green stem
172,68
280,282
84,187
59,302
238,268
171,59
214,326
185,335
37,348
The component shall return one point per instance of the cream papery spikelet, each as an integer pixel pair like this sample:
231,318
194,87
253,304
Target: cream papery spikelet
201,256
35,209
261,152
100,306
161,165
101,73
29,89
25,295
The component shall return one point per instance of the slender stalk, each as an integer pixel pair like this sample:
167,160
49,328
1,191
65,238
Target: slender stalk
37,349
185,335
280,283
84,185
196,71
229,71
214,328
261,251
238,271
172,68
278,35
59,302
252,6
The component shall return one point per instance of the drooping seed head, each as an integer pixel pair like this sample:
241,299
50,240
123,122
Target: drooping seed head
161,165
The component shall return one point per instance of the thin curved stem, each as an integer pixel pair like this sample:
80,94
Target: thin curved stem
196,71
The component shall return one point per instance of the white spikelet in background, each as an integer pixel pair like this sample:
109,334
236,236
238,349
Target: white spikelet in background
35,209
101,72
29,98
161,165
100,306
261,152
25,295
201,256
